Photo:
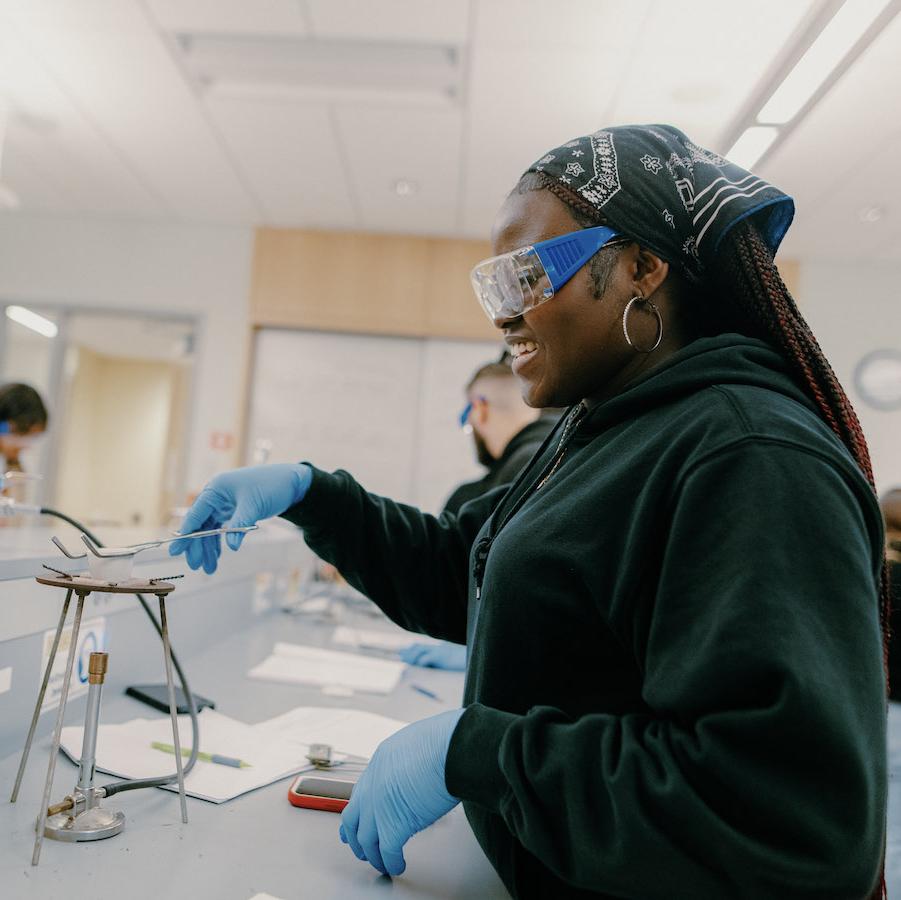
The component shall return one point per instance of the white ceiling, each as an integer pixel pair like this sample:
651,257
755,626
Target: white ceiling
106,120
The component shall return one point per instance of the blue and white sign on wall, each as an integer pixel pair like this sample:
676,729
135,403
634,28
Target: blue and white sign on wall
91,638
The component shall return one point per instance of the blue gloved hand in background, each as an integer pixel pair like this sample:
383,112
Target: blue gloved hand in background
238,498
401,792
435,656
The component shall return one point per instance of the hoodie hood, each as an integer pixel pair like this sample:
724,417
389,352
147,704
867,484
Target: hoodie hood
727,359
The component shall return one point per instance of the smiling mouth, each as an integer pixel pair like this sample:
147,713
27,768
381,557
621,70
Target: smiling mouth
522,348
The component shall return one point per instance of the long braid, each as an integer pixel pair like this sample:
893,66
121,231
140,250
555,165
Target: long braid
760,297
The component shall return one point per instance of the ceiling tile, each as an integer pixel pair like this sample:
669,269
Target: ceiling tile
520,105
430,21
421,146
844,132
49,139
589,25
277,17
124,77
291,159
833,227
34,190
691,72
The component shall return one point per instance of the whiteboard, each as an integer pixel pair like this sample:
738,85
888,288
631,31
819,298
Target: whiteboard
384,408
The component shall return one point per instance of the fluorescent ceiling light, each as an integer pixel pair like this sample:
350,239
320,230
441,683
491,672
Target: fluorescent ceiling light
294,67
299,93
824,54
32,320
753,143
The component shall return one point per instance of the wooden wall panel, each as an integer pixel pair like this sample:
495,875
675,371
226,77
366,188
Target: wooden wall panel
377,284
452,309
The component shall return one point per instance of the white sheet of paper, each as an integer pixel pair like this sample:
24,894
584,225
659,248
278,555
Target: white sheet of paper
125,750
349,731
299,664
275,748
370,638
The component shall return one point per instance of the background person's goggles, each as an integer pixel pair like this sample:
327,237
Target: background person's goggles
513,283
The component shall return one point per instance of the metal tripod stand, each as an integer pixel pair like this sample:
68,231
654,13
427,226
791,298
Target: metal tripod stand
86,819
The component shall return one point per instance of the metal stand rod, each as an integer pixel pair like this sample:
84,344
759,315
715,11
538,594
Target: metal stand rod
167,653
54,749
40,703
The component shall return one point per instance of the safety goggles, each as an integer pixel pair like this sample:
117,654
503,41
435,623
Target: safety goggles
513,283
464,416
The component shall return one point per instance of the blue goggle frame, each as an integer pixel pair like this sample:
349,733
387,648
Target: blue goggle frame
513,283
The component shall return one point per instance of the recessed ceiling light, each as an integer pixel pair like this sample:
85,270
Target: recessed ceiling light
871,214
405,187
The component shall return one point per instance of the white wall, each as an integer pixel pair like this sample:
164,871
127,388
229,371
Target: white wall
178,269
384,408
854,309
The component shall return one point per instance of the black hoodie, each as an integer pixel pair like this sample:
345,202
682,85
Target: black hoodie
675,686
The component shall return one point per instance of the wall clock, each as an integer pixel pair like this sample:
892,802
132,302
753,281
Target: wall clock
877,378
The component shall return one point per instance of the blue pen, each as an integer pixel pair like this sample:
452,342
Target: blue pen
426,691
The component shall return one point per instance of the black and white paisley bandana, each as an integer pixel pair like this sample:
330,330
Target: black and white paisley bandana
668,194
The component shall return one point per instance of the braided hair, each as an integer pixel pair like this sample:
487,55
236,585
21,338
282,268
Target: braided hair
764,308
761,307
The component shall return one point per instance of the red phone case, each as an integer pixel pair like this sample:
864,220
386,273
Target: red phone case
314,801
311,801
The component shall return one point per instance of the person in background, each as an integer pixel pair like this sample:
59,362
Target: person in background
505,431
23,417
676,615
891,514
506,434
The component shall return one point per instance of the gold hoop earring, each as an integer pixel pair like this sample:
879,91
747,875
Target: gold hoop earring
655,311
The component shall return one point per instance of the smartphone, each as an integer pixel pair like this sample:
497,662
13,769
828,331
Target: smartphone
317,791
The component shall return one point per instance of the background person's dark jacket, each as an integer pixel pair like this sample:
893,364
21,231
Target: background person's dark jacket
675,685
517,454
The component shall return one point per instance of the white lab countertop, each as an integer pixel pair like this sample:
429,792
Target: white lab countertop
258,842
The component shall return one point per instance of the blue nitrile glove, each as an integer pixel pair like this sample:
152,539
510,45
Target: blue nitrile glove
239,498
435,656
401,792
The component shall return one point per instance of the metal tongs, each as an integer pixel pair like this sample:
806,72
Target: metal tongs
115,563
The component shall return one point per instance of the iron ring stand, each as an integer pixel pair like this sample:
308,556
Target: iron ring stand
85,798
